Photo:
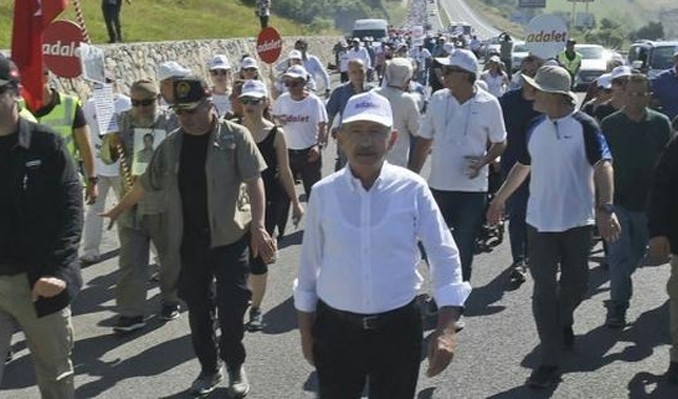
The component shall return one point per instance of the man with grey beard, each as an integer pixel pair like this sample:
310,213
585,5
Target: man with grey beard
145,122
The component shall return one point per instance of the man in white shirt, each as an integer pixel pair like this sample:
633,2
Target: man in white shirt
358,269
359,52
313,65
461,120
569,163
405,108
303,116
108,177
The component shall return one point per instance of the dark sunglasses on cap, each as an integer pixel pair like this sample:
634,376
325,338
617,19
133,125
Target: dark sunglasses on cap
143,103
251,100
215,72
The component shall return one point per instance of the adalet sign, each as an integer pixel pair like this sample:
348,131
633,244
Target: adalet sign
61,48
546,35
269,45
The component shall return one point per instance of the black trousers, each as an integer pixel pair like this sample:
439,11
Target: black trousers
112,18
201,267
346,354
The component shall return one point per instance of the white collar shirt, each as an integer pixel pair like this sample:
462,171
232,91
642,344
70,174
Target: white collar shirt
359,253
459,131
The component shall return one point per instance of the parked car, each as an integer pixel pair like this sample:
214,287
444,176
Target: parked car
652,57
593,64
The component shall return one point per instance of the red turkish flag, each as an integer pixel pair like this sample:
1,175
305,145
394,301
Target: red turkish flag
31,17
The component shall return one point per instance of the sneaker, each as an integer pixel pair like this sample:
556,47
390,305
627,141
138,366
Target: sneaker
616,316
128,324
256,322
206,383
568,338
238,385
518,274
87,260
543,377
169,312
672,373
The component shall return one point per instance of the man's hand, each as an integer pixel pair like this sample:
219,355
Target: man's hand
47,287
306,321
314,153
495,212
660,248
113,214
474,165
262,244
333,132
91,192
441,348
297,213
608,226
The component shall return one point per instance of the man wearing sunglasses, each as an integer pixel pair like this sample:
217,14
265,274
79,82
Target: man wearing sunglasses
619,76
145,123
41,201
201,170
461,120
637,136
303,116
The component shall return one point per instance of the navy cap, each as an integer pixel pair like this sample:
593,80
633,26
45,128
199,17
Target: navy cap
189,92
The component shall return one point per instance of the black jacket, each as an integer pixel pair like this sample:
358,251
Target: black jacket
663,214
48,207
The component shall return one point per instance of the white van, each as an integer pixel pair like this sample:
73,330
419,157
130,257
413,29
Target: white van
376,28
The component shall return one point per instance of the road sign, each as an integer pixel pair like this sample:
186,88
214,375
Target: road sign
532,3
60,48
546,35
269,45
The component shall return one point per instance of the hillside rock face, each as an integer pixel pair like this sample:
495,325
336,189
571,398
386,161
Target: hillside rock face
129,62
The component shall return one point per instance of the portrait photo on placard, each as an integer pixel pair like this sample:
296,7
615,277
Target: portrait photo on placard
145,142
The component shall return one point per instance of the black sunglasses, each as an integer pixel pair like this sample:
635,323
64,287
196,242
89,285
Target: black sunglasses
250,69
180,111
219,72
294,83
143,103
251,100
448,70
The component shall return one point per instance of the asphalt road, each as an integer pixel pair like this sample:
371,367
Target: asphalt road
459,11
496,351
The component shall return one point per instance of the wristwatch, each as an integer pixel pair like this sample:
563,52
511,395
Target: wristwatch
606,208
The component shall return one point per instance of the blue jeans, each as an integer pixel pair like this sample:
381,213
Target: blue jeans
626,254
463,213
517,212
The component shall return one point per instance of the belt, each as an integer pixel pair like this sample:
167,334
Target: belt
368,321
302,151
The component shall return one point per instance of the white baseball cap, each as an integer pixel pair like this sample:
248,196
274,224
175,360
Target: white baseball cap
621,71
253,88
219,61
172,69
296,72
368,106
294,55
604,81
249,62
462,58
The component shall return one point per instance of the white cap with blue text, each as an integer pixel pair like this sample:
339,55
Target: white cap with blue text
253,88
368,106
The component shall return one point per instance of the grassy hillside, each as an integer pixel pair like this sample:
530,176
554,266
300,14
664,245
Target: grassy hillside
158,20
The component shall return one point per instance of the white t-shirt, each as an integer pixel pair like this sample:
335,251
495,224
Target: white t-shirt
562,154
222,103
458,131
406,119
300,119
121,103
496,85
360,54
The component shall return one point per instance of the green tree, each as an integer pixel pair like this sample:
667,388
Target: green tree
609,33
651,31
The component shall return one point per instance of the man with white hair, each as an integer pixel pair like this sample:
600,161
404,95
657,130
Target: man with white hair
405,109
461,120
569,164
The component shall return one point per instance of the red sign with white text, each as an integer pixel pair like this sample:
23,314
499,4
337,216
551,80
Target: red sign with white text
269,45
60,48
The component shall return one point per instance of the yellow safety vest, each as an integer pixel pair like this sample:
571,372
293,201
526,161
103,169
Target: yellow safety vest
570,65
61,119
